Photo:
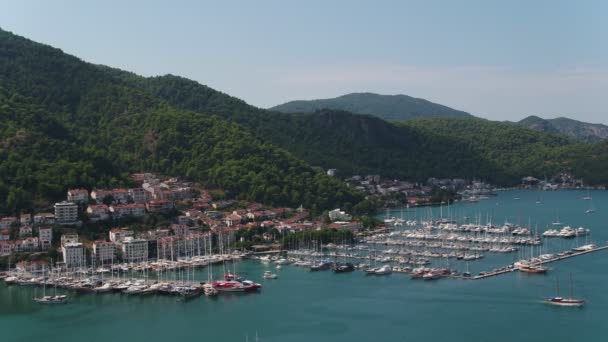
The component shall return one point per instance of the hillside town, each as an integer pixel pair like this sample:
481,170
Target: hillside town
110,225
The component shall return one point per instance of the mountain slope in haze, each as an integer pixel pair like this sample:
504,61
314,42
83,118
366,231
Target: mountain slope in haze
66,123
576,129
387,107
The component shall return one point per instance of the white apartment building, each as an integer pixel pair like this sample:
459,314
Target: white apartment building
66,213
134,250
104,252
118,234
73,254
339,215
78,195
45,234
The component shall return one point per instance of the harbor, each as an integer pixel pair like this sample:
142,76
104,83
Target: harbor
346,299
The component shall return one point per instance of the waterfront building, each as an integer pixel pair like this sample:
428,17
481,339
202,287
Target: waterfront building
5,235
78,196
134,250
104,252
173,247
66,213
339,215
32,266
354,225
73,254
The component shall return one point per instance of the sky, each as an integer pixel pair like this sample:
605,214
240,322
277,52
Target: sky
501,60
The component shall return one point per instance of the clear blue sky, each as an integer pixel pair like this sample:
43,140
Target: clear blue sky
501,60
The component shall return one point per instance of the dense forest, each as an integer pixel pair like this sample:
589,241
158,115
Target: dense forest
498,152
67,123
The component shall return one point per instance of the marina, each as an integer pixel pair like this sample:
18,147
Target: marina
342,299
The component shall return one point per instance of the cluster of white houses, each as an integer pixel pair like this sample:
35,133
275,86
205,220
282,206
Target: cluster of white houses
184,237
24,234
103,252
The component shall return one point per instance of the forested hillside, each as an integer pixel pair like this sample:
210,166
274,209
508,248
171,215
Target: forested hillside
498,152
66,123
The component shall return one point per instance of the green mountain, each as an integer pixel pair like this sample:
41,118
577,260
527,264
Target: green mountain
576,129
499,152
67,123
387,107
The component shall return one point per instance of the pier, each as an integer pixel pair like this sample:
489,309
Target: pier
508,269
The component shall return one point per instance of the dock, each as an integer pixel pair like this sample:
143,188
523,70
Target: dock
508,269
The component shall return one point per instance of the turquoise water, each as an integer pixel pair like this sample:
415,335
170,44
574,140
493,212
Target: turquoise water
322,306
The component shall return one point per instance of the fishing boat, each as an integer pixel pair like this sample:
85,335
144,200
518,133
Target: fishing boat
561,301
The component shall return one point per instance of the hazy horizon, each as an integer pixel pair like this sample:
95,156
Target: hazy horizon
500,61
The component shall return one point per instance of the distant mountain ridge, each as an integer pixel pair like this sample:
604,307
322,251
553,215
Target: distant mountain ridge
387,107
576,129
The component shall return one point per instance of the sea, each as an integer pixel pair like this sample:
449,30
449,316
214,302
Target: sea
322,306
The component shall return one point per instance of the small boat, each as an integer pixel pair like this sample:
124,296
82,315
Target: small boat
59,299
342,268
209,290
282,261
432,275
561,301
269,275
384,270
532,269
321,266
11,280
370,270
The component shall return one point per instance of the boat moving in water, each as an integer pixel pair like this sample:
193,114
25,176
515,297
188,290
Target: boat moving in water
560,301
